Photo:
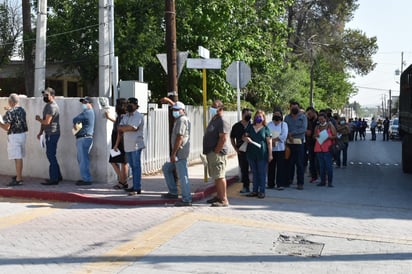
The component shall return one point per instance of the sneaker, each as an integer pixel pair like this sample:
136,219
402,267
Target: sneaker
170,196
132,193
313,180
299,187
220,204
261,195
181,203
244,190
252,194
280,188
83,183
213,200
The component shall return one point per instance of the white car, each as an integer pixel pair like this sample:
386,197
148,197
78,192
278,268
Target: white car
393,129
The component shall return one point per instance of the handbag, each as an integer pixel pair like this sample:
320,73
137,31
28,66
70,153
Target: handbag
336,146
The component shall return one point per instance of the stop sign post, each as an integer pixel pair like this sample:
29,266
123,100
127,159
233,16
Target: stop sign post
238,74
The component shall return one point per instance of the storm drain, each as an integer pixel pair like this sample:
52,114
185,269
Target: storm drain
297,245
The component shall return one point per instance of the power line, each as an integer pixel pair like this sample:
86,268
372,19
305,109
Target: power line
380,89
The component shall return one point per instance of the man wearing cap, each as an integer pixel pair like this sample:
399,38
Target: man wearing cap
180,143
50,127
131,128
84,139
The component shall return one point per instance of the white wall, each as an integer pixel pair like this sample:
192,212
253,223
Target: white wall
156,136
35,164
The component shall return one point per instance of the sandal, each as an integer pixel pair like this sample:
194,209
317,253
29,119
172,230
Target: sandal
121,185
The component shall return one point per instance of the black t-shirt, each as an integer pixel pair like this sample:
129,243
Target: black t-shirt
237,133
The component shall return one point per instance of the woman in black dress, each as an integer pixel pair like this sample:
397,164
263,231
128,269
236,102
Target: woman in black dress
119,162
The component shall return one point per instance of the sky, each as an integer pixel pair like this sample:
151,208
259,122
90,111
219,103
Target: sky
389,21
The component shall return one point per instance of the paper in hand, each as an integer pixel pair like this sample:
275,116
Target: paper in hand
114,153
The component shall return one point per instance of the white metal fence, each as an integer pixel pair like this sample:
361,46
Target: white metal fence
157,136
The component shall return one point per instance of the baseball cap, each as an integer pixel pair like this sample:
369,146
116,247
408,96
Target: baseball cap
178,105
85,100
133,100
49,91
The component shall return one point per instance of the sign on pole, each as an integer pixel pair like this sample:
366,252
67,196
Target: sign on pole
181,59
238,74
198,63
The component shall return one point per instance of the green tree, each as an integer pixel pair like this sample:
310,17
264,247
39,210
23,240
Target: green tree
10,30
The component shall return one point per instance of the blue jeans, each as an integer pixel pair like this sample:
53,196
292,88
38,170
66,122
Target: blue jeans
51,149
84,145
133,157
259,171
181,169
297,154
325,166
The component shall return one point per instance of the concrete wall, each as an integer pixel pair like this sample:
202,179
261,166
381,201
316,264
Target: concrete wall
36,163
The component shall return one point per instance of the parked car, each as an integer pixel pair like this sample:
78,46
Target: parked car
393,129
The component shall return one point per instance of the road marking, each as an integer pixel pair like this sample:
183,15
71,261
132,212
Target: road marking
42,209
141,245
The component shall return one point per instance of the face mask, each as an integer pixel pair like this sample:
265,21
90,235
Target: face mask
130,108
212,112
46,99
176,114
248,117
323,124
295,111
84,106
258,120
342,122
277,118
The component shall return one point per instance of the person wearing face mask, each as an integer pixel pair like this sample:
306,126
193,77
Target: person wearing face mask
50,127
131,130
180,144
297,125
84,140
236,134
119,162
343,132
277,167
215,149
258,152
325,134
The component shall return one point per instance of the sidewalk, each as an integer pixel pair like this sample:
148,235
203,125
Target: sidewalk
103,193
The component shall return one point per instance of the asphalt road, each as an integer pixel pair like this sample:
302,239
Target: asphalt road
362,225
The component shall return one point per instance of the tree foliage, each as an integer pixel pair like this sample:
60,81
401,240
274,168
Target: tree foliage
280,40
10,30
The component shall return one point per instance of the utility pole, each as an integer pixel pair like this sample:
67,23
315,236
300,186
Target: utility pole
170,16
390,105
104,50
40,59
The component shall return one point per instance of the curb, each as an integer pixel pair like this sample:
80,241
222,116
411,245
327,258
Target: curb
75,197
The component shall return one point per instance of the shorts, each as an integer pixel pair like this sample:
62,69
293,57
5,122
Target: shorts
216,165
16,146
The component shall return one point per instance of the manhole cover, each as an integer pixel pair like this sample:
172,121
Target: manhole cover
296,245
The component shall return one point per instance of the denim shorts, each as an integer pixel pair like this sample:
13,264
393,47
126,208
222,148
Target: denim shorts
16,146
216,165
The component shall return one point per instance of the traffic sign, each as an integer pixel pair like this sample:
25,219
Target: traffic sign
198,63
238,74
181,59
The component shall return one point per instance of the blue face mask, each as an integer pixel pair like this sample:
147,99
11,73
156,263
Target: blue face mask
176,114
84,106
212,111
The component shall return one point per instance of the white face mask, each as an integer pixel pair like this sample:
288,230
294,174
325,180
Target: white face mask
323,124
176,114
84,106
